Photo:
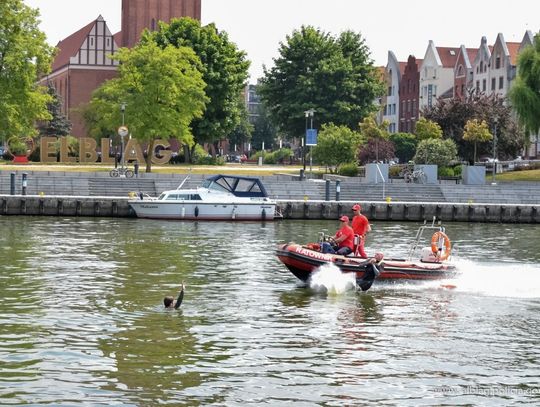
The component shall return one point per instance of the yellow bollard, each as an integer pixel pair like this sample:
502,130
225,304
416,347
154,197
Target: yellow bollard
305,198
388,199
42,193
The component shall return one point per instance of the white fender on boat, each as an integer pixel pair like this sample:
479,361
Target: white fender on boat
183,214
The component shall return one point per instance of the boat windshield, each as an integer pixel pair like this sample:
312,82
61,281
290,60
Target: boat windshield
214,186
239,186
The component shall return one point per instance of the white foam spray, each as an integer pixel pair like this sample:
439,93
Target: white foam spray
495,279
329,278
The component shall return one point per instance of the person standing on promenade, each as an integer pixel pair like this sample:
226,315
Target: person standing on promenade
343,239
361,227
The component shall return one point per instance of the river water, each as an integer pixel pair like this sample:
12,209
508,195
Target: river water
82,321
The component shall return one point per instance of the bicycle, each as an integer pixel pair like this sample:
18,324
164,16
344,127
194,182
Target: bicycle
121,172
415,176
419,177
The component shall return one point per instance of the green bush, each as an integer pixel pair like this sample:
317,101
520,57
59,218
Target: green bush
394,171
457,171
209,160
445,172
348,170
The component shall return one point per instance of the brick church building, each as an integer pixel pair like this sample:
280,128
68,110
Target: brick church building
82,63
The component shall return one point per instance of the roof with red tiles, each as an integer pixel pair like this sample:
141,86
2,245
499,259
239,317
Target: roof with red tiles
448,56
69,46
513,49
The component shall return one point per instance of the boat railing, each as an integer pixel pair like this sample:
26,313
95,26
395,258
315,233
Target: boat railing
419,234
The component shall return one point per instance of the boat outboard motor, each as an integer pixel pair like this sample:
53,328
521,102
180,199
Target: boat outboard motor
371,272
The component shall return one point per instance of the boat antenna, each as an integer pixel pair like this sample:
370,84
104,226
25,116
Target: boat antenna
184,181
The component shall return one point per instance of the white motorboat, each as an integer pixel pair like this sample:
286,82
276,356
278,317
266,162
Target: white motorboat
220,197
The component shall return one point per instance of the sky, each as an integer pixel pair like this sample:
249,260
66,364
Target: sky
258,26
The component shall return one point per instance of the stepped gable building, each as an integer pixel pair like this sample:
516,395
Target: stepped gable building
83,60
463,71
437,74
394,70
409,95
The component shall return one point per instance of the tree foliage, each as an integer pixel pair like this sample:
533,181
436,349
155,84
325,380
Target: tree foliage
224,69
264,130
476,132
376,150
525,91
24,56
376,134
427,129
58,125
314,70
452,115
436,151
336,145
404,145
163,91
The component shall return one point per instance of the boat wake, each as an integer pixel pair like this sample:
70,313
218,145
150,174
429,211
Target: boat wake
329,278
494,279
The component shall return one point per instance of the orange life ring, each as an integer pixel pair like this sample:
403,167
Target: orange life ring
435,239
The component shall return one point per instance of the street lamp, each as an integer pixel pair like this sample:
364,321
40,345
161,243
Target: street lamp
308,114
494,168
123,131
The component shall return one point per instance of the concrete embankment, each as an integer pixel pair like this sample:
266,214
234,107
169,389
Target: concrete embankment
36,205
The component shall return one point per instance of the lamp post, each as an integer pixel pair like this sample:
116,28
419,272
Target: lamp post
308,114
494,168
123,132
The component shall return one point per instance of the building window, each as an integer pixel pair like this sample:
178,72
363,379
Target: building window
414,107
153,25
478,86
108,42
501,82
91,41
493,83
483,85
498,62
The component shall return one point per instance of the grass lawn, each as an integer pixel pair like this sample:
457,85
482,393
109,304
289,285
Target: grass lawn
530,175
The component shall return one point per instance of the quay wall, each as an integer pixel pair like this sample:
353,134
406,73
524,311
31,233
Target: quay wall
107,206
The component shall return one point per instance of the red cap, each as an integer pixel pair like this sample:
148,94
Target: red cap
344,218
356,207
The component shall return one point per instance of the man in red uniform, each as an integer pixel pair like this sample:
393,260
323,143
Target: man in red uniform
361,227
344,239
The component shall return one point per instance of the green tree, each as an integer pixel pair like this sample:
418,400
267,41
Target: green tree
163,90
436,151
453,114
24,57
334,76
405,146
427,129
525,91
373,131
476,131
224,69
58,125
264,130
243,132
336,145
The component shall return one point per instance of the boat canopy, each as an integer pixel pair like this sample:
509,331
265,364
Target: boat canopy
248,187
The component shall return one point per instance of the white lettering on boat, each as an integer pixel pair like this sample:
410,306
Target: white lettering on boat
311,253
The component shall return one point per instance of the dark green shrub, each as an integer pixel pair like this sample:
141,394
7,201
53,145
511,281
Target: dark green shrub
445,172
348,170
